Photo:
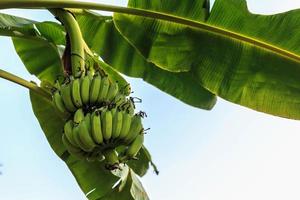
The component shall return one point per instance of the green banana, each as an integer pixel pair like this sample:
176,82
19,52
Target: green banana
103,89
85,135
58,102
117,124
76,95
85,89
111,159
119,99
113,111
68,129
123,105
135,128
106,124
95,88
96,128
77,139
135,146
66,95
69,145
126,123
130,108
112,92
78,116
126,90
75,151
88,120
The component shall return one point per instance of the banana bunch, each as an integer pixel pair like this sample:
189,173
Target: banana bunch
103,126
95,136
90,90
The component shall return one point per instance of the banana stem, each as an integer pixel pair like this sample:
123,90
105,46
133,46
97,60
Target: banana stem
30,85
76,40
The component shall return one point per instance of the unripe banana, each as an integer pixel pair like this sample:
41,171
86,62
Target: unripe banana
78,116
66,95
88,121
106,124
77,139
112,92
103,89
117,124
58,102
126,90
68,129
96,128
135,146
130,108
76,95
126,123
75,151
123,105
85,135
85,89
119,99
135,128
111,159
113,112
95,88
69,145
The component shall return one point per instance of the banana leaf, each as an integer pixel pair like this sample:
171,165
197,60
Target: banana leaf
33,39
248,59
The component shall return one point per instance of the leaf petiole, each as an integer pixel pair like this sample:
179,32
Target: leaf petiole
20,81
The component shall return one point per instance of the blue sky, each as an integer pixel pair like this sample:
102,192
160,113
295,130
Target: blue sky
229,153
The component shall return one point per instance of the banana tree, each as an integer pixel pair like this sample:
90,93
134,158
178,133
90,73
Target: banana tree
183,48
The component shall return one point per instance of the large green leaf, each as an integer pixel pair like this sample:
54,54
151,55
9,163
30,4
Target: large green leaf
12,26
32,38
90,176
40,58
245,62
163,43
101,35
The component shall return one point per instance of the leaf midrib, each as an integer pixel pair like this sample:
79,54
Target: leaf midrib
40,4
